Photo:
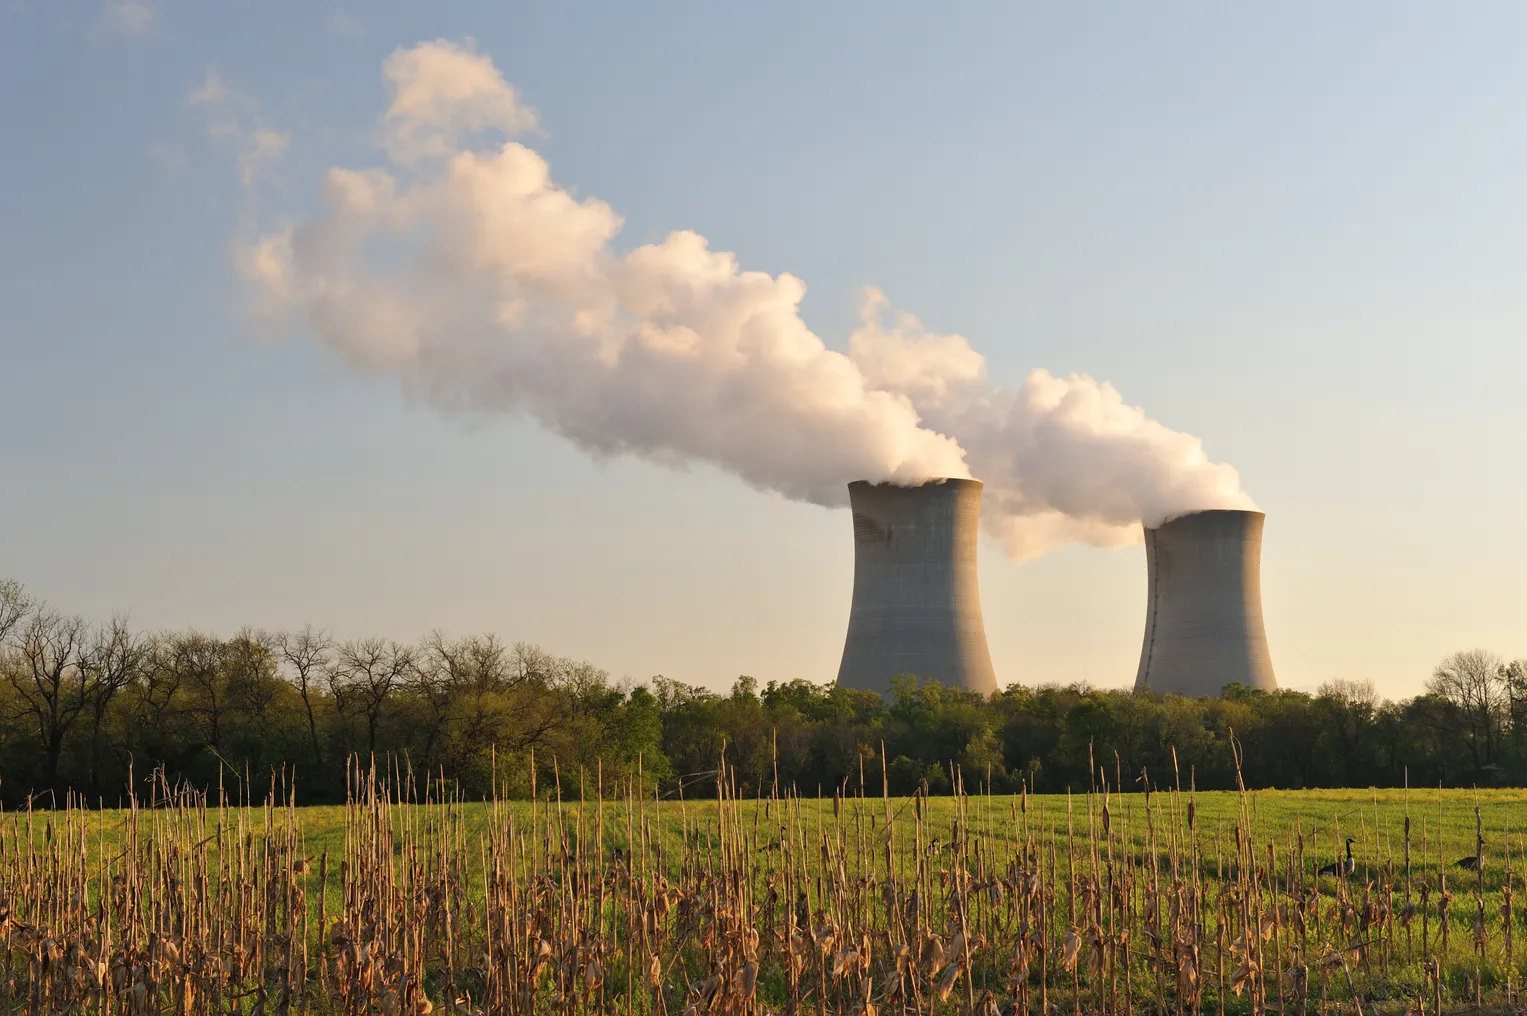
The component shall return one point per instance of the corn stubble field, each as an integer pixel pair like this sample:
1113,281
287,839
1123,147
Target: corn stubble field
616,902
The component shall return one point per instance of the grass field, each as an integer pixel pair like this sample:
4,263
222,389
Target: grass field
1442,822
853,904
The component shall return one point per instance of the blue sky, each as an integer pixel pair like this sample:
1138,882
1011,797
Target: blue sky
1296,232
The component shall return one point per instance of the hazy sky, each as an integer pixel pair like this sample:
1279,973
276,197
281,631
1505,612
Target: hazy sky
1298,232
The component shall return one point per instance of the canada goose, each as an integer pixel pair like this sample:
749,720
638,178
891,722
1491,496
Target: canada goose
1475,862
1341,867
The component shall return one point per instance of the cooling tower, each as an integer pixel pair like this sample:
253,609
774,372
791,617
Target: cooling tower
1203,614
917,606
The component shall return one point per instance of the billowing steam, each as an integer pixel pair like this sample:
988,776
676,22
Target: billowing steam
1063,459
466,272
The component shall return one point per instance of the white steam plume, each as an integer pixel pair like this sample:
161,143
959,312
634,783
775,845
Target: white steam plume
465,271
480,283
1063,459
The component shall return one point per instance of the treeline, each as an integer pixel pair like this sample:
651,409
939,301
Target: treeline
85,708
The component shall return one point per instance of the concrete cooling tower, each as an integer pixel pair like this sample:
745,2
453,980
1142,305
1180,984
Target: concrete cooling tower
917,606
1203,615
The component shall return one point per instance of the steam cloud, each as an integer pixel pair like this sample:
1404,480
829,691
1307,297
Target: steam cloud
466,272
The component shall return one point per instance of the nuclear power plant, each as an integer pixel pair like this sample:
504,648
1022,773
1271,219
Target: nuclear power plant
917,603
1203,614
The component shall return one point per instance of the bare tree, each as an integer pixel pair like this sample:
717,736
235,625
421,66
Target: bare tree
157,705
250,663
485,663
370,670
307,652
530,664
470,687
1471,680
46,670
15,604
196,661
440,676
116,657
1358,695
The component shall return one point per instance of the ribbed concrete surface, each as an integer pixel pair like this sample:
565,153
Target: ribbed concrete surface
1203,616
917,604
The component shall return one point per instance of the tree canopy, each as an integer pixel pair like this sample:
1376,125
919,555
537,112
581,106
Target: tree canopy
84,705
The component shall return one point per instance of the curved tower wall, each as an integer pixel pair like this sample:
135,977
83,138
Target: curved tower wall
1203,616
917,604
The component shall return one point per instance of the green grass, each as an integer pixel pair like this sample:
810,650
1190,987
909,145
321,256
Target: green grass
1442,824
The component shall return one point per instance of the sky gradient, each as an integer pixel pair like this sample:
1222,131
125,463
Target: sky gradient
1296,233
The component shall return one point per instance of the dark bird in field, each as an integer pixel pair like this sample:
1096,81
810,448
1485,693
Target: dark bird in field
1475,862
1346,866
